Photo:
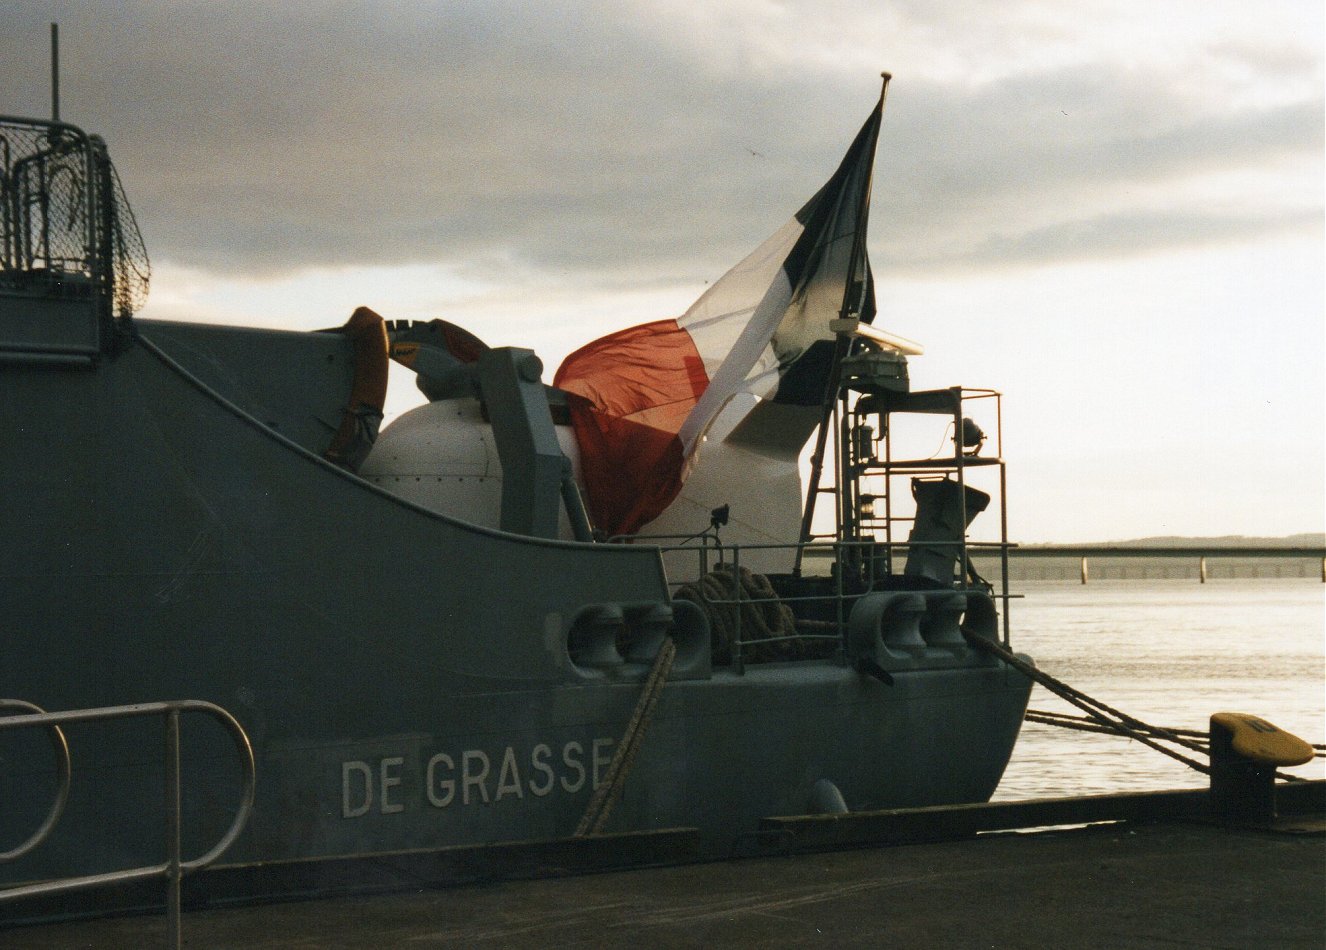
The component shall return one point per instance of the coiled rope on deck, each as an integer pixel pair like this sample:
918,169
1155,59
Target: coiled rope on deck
606,795
745,602
1101,717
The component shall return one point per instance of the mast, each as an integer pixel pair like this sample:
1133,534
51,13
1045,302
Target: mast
55,72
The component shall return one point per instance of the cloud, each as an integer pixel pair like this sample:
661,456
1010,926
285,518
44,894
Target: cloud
999,176
1113,235
649,142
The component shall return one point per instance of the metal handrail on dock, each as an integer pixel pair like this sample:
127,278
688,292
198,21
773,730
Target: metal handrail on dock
1084,552
173,868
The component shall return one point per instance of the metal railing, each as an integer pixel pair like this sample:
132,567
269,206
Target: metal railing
708,550
64,218
173,868
61,747
48,202
1083,553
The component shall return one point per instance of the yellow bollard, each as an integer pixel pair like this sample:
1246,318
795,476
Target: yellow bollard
1245,753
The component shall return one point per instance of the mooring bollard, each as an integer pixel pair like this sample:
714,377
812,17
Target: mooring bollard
1245,753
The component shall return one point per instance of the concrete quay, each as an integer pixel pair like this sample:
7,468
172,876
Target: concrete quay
1123,884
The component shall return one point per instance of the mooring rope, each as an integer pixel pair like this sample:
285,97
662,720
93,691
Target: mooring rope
1101,717
1099,713
743,601
1085,724
606,795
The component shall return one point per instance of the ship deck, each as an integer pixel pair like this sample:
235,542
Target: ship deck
1134,884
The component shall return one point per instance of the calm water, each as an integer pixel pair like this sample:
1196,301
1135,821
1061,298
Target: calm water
1169,652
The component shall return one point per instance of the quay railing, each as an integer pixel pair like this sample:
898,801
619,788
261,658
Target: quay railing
174,867
1084,553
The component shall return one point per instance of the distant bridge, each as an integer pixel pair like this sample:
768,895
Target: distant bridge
1084,552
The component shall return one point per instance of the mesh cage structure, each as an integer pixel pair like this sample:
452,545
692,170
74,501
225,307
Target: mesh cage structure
64,217
131,272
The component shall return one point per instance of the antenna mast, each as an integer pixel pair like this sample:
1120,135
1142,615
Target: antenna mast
55,72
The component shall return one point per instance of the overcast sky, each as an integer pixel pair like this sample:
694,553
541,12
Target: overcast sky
1110,211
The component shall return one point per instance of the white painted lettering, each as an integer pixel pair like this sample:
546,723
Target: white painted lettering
440,792
379,784
508,777
366,796
538,759
391,778
469,778
600,746
573,762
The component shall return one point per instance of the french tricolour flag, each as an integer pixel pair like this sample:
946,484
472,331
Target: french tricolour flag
643,398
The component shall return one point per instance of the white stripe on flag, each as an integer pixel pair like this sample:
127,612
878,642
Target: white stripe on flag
731,336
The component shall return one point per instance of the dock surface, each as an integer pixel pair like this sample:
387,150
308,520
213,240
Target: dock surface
1106,886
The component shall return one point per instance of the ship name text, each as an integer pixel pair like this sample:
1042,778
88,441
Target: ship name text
472,777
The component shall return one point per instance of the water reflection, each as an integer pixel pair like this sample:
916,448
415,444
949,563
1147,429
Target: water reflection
1170,653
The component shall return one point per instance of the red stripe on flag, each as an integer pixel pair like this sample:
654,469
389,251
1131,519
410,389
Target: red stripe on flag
636,387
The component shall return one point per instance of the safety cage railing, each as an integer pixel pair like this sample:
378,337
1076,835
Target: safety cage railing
908,502
66,228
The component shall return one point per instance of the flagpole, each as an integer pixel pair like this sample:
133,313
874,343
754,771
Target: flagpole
842,346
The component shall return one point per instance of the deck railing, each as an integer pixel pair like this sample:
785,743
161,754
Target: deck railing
689,558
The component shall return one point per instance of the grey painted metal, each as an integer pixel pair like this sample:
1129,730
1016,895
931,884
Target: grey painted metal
234,564
574,504
409,680
293,383
532,461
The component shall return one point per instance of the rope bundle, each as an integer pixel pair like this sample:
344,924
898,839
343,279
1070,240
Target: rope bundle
730,598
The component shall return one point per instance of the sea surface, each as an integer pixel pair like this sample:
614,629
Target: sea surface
1168,652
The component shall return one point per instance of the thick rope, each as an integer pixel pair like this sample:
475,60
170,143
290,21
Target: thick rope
1100,713
743,602
606,795
1067,721
1203,739
1085,724
1098,718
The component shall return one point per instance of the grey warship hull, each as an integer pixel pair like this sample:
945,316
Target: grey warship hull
172,530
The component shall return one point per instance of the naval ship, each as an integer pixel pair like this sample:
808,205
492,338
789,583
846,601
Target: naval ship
469,628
